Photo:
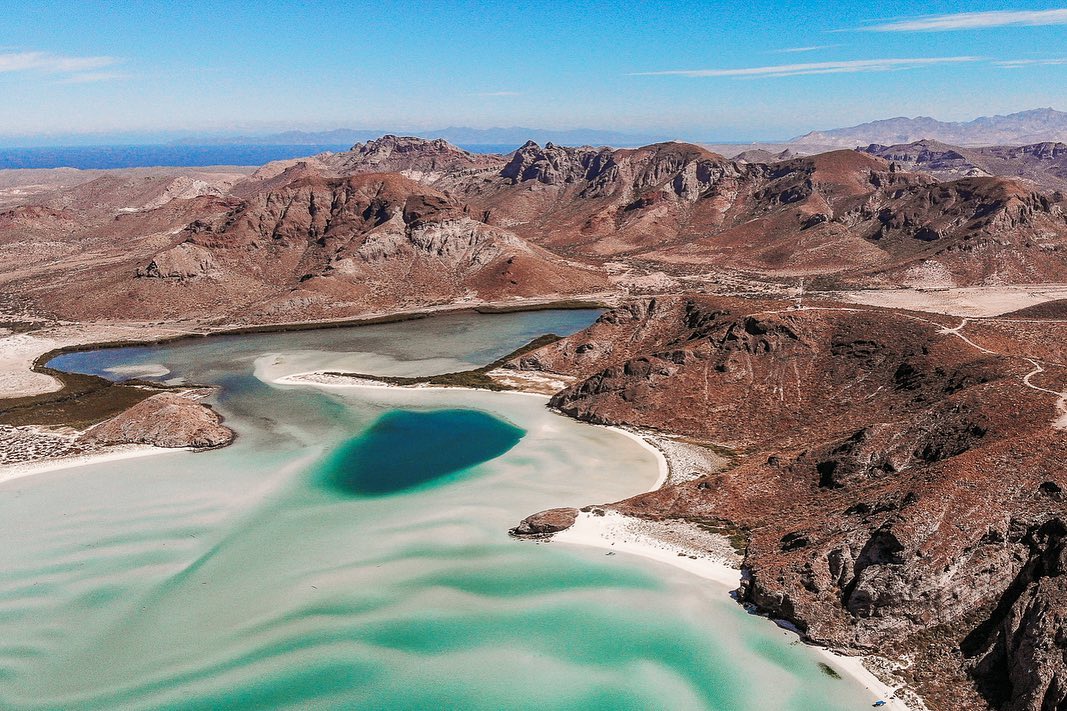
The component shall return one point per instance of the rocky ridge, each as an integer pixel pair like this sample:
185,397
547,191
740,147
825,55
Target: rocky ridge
1043,164
1022,127
406,223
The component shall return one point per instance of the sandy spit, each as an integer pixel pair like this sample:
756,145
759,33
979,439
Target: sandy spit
110,454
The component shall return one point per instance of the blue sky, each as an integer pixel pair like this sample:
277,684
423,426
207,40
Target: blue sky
696,70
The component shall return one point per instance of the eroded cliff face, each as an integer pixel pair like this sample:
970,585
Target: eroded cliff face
901,489
1019,654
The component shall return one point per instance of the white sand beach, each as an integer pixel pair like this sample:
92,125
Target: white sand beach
18,470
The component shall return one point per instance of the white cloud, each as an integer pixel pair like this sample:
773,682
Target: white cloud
792,70
51,63
1020,63
798,50
974,21
94,77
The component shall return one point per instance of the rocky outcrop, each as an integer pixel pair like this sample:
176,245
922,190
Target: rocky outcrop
556,165
181,262
416,158
34,216
545,523
164,420
1019,654
1043,164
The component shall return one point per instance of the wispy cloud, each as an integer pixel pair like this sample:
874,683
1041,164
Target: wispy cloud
973,21
51,63
1020,63
798,50
94,77
497,93
792,70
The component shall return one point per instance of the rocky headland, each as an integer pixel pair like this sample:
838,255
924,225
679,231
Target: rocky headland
899,485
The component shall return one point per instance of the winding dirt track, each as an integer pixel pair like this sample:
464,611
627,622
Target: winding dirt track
1060,422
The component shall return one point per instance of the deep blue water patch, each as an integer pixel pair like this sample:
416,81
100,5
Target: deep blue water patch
406,449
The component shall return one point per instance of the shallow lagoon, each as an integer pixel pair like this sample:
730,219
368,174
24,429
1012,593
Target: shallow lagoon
248,577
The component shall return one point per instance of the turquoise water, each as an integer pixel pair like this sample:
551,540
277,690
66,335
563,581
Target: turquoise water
350,551
406,449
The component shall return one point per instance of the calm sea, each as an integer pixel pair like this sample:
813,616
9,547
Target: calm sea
99,157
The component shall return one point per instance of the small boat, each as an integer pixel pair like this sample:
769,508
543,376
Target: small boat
878,703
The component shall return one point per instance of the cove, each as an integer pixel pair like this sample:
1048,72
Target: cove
252,577
406,449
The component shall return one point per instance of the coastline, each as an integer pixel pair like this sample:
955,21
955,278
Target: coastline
10,472
614,532
319,379
604,534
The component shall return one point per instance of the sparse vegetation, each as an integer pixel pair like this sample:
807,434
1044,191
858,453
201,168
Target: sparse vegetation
82,401
477,378
737,536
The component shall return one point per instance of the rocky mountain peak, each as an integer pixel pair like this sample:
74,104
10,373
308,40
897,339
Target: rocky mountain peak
554,165
389,144
418,158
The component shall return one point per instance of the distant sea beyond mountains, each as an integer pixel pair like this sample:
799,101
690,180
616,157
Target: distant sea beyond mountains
131,152
136,156
1023,128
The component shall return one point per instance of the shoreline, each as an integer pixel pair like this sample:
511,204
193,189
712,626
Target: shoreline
181,331
615,532
596,534
19,470
336,382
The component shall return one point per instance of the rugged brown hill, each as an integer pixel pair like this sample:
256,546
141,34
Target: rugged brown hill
681,208
1043,164
600,202
417,158
318,247
424,160
901,490
292,238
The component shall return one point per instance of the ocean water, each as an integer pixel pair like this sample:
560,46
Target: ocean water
350,551
174,155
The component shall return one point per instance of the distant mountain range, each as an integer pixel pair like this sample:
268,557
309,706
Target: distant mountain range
1023,127
511,137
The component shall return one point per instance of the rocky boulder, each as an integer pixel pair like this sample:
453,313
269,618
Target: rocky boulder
184,261
545,523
